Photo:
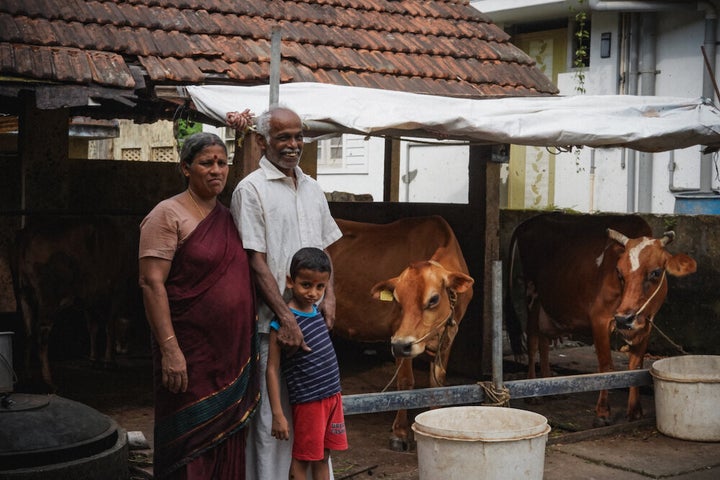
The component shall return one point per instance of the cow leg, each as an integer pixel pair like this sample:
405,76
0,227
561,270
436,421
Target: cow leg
533,339
399,441
107,359
110,334
31,336
43,347
106,314
543,343
544,351
601,339
635,362
438,367
122,328
93,328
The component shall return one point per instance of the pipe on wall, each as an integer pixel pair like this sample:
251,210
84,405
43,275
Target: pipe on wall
708,90
647,70
632,89
591,207
638,6
710,10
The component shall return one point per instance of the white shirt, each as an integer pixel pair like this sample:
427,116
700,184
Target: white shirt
277,219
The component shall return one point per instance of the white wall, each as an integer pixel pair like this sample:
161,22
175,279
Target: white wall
441,173
680,70
371,181
429,173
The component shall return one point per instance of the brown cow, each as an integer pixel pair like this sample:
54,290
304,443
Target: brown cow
415,270
71,263
593,274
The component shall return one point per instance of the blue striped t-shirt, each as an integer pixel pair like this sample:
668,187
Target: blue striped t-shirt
311,375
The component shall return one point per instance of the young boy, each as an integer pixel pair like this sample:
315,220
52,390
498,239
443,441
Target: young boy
313,377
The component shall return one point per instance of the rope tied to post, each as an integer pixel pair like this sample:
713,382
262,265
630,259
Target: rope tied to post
495,397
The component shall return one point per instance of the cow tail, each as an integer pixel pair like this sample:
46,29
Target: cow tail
513,324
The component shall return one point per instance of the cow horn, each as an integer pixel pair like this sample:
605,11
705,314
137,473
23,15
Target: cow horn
617,236
668,237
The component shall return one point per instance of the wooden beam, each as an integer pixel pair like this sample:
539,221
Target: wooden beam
484,193
44,163
247,156
391,177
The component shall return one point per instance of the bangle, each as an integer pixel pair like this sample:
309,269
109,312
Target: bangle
168,339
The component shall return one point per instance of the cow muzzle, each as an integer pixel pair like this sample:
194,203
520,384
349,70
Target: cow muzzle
406,347
625,321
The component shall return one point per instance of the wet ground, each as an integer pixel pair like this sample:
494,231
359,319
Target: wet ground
575,449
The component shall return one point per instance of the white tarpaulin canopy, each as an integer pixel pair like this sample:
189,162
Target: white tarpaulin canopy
644,123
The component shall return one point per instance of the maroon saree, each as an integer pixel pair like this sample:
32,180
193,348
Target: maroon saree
213,314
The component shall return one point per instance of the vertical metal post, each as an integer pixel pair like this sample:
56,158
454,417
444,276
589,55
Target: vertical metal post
275,58
497,340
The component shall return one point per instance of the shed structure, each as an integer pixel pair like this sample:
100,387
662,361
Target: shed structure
107,59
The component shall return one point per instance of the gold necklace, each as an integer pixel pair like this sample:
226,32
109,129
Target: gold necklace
202,212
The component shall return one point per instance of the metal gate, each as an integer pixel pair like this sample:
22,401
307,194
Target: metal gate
476,393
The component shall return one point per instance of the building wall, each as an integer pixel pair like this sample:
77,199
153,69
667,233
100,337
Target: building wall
138,142
574,180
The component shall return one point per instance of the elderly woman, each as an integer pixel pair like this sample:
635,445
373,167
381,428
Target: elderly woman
199,301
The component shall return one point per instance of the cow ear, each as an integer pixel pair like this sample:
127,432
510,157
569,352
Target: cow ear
384,290
680,265
459,281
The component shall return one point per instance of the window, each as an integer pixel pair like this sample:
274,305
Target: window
346,154
132,154
163,154
330,153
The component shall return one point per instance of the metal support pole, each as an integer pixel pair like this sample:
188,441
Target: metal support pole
275,58
497,341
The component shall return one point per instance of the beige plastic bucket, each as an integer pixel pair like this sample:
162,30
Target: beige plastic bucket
492,443
687,396
7,374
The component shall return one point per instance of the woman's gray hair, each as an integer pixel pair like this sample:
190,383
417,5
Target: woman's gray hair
196,143
262,123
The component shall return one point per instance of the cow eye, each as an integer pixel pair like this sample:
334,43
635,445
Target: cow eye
620,277
655,274
434,300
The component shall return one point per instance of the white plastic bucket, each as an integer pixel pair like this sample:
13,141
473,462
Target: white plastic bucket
7,374
492,443
687,390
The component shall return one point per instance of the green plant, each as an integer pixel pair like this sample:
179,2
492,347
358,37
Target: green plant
582,47
185,128
670,223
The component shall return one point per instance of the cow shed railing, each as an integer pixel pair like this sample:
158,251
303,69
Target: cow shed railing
469,394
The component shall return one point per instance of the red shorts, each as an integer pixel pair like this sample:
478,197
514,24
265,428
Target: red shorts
318,426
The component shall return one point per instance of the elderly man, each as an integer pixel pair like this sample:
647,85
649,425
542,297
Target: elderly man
278,210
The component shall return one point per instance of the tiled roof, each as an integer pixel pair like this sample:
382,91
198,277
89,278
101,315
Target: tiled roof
121,49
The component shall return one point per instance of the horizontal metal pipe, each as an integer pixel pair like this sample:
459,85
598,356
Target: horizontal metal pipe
468,394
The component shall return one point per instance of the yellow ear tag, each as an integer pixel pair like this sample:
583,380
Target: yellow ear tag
386,296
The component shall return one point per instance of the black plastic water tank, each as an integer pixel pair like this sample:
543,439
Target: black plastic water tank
50,437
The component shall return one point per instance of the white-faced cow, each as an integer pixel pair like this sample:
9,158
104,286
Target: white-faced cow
70,263
416,272
593,274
